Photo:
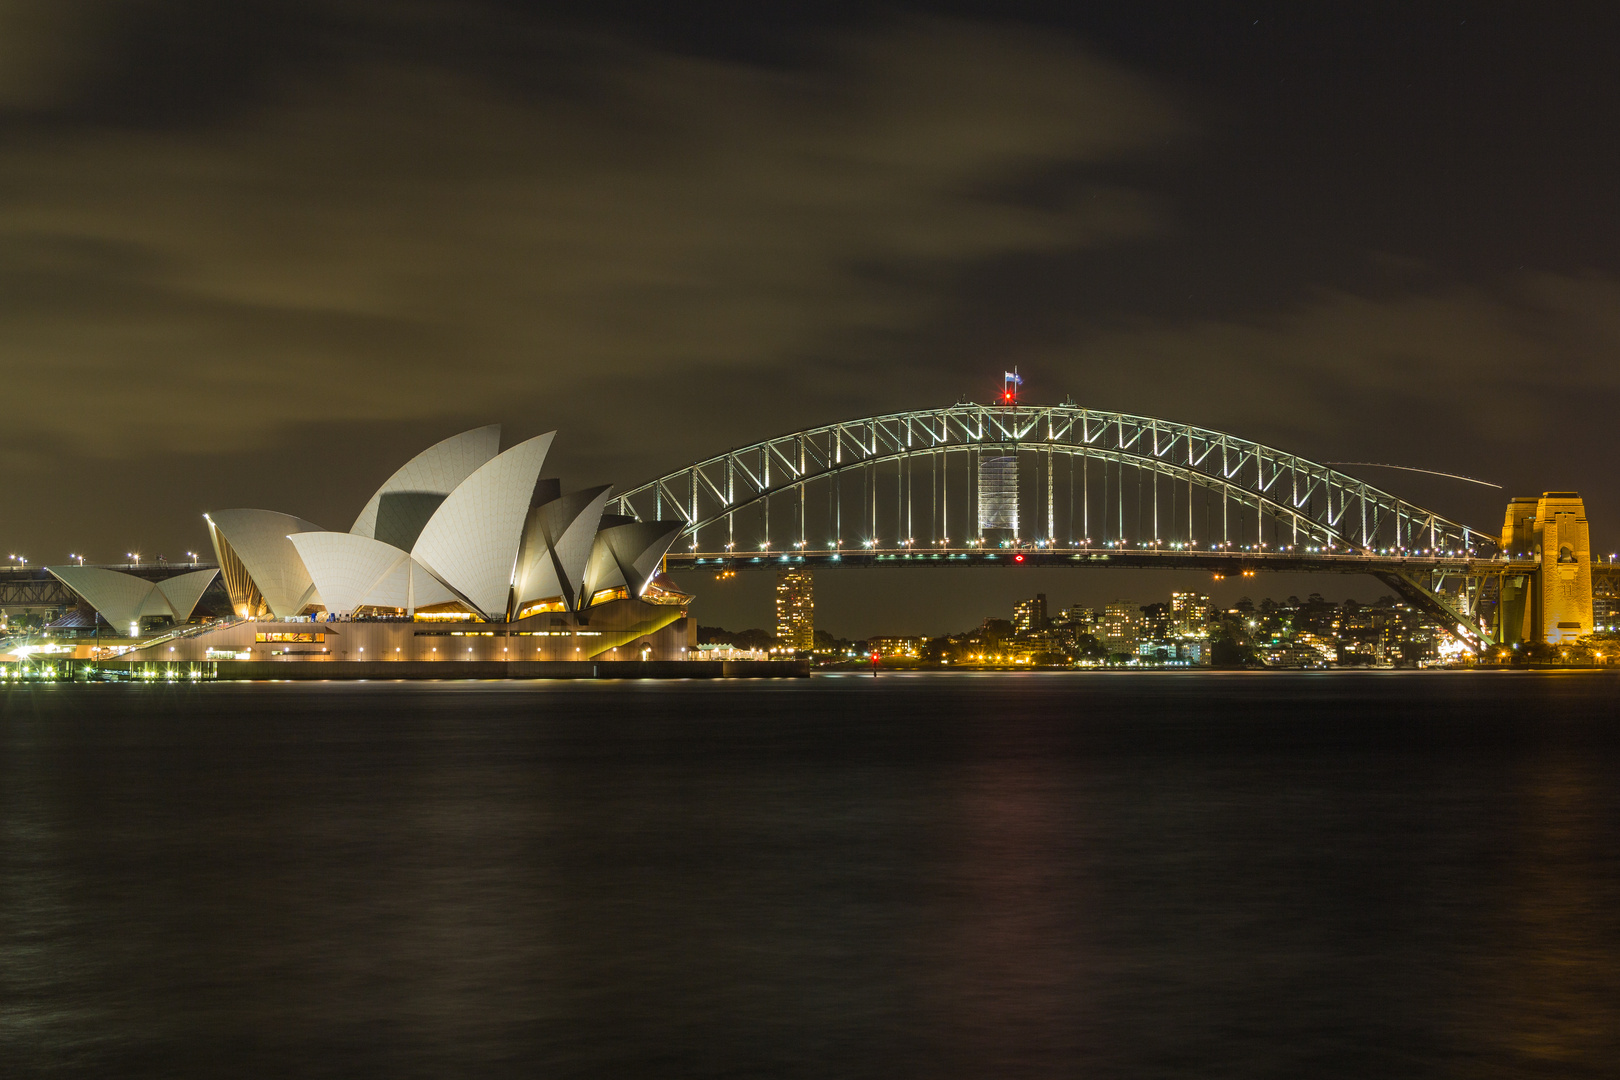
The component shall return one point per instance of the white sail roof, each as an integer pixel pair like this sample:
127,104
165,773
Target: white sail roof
184,590
120,598
409,586
401,508
124,599
346,567
471,542
556,544
629,555
259,538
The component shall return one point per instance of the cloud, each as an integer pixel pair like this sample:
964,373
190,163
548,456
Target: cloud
1466,365
45,48
398,241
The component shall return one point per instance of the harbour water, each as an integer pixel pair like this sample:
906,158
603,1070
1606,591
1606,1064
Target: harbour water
1106,875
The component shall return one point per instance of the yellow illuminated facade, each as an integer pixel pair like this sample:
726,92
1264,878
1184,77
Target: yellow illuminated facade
1552,603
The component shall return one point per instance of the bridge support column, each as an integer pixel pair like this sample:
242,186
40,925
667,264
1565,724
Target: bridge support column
1464,626
1553,604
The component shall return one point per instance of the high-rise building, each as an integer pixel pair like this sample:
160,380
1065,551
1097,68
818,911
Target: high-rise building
1189,612
1029,616
1119,625
796,610
1083,619
1605,612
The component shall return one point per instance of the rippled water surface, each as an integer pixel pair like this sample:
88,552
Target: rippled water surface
1262,875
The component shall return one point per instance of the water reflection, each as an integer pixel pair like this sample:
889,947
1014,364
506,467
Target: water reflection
1546,961
1011,877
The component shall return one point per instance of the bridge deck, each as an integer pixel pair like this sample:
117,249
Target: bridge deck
1226,563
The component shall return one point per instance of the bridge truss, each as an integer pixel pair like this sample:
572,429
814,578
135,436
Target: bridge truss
976,483
1086,479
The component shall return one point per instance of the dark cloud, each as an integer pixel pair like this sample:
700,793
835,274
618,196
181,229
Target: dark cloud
401,243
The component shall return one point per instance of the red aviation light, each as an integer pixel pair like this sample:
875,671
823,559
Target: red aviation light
1009,387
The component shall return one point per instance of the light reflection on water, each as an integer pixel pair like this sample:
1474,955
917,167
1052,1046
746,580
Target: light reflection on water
1111,875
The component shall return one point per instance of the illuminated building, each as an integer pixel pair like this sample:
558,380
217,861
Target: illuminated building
1080,619
1174,652
463,535
908,648
796,610
1606,612
727,651
1189,612
1119,628
1029,616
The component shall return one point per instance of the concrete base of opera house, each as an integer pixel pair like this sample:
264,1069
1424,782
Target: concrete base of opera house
620,630
622,639
382,670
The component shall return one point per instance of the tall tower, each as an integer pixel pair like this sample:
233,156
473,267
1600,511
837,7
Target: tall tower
1566,567
1519,526
1189,611
1029,616
1120,622
796,609
1552,603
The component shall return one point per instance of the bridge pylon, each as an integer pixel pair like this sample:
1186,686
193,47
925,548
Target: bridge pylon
1546,591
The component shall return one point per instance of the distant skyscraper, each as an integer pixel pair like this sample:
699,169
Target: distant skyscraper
1029,616
1189,611
796,610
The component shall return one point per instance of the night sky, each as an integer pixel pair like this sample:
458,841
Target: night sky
258,254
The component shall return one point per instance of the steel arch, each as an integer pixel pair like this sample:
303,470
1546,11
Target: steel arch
1331,507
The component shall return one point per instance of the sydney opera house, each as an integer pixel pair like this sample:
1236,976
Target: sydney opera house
464,554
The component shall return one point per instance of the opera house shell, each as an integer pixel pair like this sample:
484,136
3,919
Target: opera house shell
463,529
127,601
464,539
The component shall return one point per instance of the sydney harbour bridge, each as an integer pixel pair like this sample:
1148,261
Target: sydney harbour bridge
1010,484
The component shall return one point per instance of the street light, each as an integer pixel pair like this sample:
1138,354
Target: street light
132,555
79,557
